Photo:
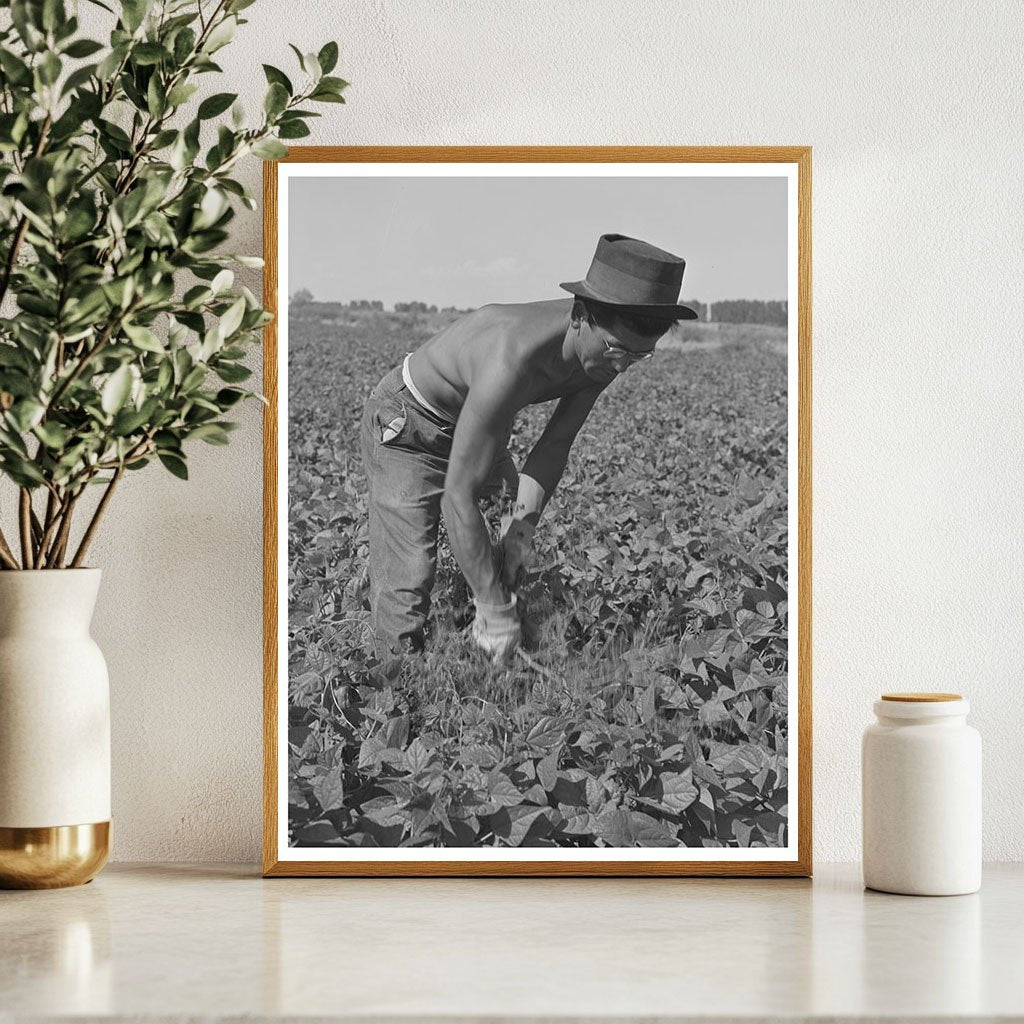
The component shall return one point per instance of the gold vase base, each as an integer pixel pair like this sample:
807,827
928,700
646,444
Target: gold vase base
53,857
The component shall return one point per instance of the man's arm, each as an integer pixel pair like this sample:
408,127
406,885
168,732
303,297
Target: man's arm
539,478
483,424
550,454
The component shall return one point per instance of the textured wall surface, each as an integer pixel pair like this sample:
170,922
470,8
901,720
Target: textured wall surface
913,111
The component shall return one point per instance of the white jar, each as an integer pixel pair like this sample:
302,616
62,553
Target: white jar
921,789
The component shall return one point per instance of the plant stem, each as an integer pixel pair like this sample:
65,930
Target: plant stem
6,554
54,508
56,555
51,510
97,516
25,522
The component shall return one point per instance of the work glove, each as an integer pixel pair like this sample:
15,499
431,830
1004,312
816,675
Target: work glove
517,553
496,629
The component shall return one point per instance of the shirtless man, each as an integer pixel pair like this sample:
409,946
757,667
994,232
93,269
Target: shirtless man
435,431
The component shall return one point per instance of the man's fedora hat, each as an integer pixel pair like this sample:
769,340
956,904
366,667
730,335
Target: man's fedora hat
629,273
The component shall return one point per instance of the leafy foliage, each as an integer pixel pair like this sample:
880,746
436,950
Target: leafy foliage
652,710
116,191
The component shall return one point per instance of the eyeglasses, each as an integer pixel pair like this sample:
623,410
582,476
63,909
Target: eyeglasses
616,352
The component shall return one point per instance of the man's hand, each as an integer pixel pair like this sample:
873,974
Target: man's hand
516,549
496,629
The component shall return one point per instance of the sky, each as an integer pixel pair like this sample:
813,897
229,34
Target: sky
458,241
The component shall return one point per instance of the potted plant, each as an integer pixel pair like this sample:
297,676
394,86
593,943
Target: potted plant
122,340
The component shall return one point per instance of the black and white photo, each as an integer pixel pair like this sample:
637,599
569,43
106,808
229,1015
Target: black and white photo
537,520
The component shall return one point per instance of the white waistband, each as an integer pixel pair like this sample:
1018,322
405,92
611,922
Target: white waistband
407,379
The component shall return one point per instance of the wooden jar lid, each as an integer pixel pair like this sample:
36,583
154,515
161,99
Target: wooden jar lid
921,698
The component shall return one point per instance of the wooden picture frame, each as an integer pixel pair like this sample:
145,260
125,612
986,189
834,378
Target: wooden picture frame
791,162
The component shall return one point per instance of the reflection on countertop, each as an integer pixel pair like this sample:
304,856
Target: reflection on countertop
177,941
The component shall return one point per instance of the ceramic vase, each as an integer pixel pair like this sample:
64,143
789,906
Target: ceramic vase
54,731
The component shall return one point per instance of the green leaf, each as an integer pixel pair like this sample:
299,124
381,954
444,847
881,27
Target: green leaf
327,96
109,65
175,464
116,134
12,356
211,433
216,104
269,149
276,100
222,282
133,13
162,139
196,296
77,79
35,304
53,435
181,94
156,100
227,397
145,54
66,27
193,379
293,130
53,14
184,44
232,373
116,390
83,48
232,319
276,76
25,17
221,35
16,70
128,421
49,68
328,57
21,471
144,338
26,414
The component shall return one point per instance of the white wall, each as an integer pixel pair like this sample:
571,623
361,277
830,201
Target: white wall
914,113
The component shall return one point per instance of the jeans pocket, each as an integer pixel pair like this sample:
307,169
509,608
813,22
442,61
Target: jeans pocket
392,420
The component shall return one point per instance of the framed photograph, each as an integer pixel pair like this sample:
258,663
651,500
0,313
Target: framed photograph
538,511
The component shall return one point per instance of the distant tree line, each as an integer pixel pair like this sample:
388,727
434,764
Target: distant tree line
414,307
745,311
727,311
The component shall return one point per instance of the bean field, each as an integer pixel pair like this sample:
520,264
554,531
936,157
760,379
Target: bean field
649,706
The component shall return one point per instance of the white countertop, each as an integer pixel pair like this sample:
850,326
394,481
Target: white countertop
174,942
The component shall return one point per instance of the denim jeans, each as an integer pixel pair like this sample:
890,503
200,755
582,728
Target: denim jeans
406,474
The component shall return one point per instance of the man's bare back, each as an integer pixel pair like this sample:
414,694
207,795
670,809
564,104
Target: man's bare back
526,339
